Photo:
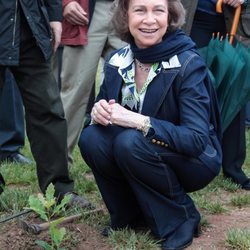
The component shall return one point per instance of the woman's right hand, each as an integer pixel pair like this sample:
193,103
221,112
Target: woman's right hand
101,112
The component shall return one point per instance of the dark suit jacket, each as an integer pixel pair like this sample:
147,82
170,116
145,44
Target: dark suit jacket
182,106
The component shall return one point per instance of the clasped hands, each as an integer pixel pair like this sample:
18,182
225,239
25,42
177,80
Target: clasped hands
110,112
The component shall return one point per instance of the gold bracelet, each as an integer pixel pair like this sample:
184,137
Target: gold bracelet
146,125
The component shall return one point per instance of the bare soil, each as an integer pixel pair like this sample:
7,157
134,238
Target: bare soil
81,236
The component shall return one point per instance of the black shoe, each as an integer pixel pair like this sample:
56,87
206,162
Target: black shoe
107,231
183,236
78,201
246,185
15,158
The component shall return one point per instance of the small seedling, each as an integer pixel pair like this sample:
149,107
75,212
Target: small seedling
47,208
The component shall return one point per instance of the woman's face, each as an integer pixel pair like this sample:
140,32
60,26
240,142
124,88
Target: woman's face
147,21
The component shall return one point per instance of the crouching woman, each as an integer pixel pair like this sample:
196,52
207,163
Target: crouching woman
155,129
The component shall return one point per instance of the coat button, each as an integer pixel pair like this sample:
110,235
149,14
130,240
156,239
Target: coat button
162,144
166,145
153,140
158,142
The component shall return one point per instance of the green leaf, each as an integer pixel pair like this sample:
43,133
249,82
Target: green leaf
54,223
57,235
44,245
49,204
62,204
50,192
36,205
41,198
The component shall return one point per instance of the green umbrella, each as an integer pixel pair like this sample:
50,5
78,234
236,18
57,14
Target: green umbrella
218,56
228,70
235,66
239,92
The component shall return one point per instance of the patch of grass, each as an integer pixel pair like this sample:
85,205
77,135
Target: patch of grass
215,207
204,222
224,184
13,199
19,174
203,201
127,239
240,200
238,239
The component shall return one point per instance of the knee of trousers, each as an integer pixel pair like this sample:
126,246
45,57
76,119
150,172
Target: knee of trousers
129,147
95,145
87,141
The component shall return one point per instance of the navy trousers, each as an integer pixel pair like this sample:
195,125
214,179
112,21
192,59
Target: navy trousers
139,179
11,117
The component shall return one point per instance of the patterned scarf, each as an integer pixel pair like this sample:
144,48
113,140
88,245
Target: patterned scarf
173,43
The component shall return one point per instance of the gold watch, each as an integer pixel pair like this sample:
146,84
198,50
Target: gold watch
146,125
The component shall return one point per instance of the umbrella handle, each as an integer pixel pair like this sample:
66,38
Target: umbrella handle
235,20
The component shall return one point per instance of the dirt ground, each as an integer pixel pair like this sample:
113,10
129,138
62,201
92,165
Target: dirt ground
213,237
86,237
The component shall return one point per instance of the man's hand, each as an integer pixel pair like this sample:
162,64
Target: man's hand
75,14
56,28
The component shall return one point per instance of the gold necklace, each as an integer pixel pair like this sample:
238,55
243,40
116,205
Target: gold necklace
142,66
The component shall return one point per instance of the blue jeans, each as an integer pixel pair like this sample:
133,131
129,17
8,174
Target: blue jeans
140,179
11,117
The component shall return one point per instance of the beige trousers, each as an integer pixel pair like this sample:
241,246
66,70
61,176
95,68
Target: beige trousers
79,67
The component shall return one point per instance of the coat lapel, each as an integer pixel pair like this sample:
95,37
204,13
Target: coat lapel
114,79
157,91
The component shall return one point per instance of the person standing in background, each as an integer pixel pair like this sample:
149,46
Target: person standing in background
30,31
80,60
12,135
201,23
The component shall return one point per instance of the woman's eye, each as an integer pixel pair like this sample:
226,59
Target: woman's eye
160,10
138,10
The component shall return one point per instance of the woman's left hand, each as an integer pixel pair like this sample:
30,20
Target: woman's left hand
123,117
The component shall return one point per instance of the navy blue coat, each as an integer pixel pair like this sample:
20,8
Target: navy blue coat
38,14
183,108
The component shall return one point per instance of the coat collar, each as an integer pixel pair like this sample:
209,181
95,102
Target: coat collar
156,91
124,58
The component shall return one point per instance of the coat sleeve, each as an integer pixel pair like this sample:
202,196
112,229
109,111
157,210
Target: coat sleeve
54,8
189,133
65,2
